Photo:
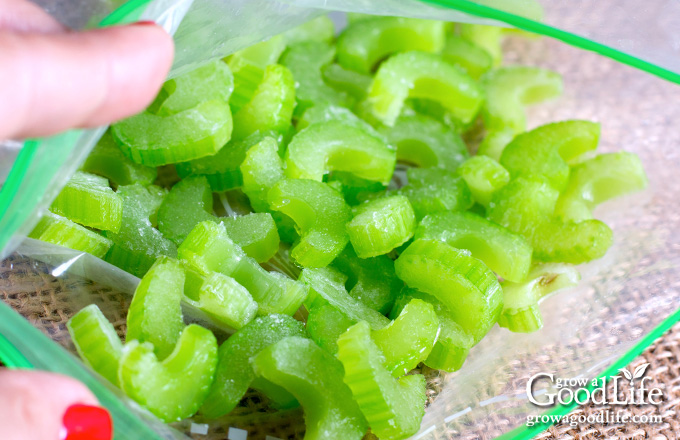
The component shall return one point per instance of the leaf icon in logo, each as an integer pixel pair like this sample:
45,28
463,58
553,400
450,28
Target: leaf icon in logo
627,374
639,372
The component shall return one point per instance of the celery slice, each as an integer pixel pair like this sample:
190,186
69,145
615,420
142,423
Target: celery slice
495,142
433,190
571,242
261,168
320,28
108,161
467,55
484,176
348,81
188,203
484,36
61,231
325,324
255,233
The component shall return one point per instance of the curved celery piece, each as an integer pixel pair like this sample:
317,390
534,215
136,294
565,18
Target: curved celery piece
362,45
506,253
339,146
520,300
96,341
353,83
271,107
325,324
423,75
467,55
89,200
483,176
318,29
212,81
486,37
315,378
108,161
137,244
320,214
188,203
255,233
597,180
208,248
381,225
393,407
155,314
426,142
571,242
369,280
509,89
58,230
174,388
494,142
328,113
234,374
353,188
409,339
463,283
327,286
433,190
547,150
261,169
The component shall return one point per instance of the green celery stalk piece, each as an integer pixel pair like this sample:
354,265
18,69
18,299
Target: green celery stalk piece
108,161
423,75
155,140
271,107
96,342
234,374
327,286
409,339
325,324
320,28
520,300
571,242
155,314
548,149
175,388
320,215
495,142
471,58
188,203
339,146
486,37
393,407
208,248
261,168
325,112
353,188
255,233
463,283
381,225
597,180
484,176
506,253
278,397
353,83
137,244
58,230
433,190
89,200
315,378
364,44
426,143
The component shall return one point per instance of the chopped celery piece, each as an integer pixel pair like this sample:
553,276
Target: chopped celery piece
58,230
409,339
155,314
362,45
483,176
353,83
463,283
467,55
271,107
520,300
212,81
509,89
155,140
369,280
208,248
172,389
234,375
325,324
506,253
433,190
571,242
547,150
494,142
423,75
188,203
426,142
138,244
96,341
89,200
333,113
597,180
261,169
108,161
327,286
318,29
353,188
315,378
393,407
486,37
435,110
255,233
339,146
320,215
381,225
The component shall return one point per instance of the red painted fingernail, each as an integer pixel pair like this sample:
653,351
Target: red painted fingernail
85,422
146,23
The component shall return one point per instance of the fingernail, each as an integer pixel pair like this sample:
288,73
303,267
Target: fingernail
146,23
85,422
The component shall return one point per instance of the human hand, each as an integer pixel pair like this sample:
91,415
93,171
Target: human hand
53,79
